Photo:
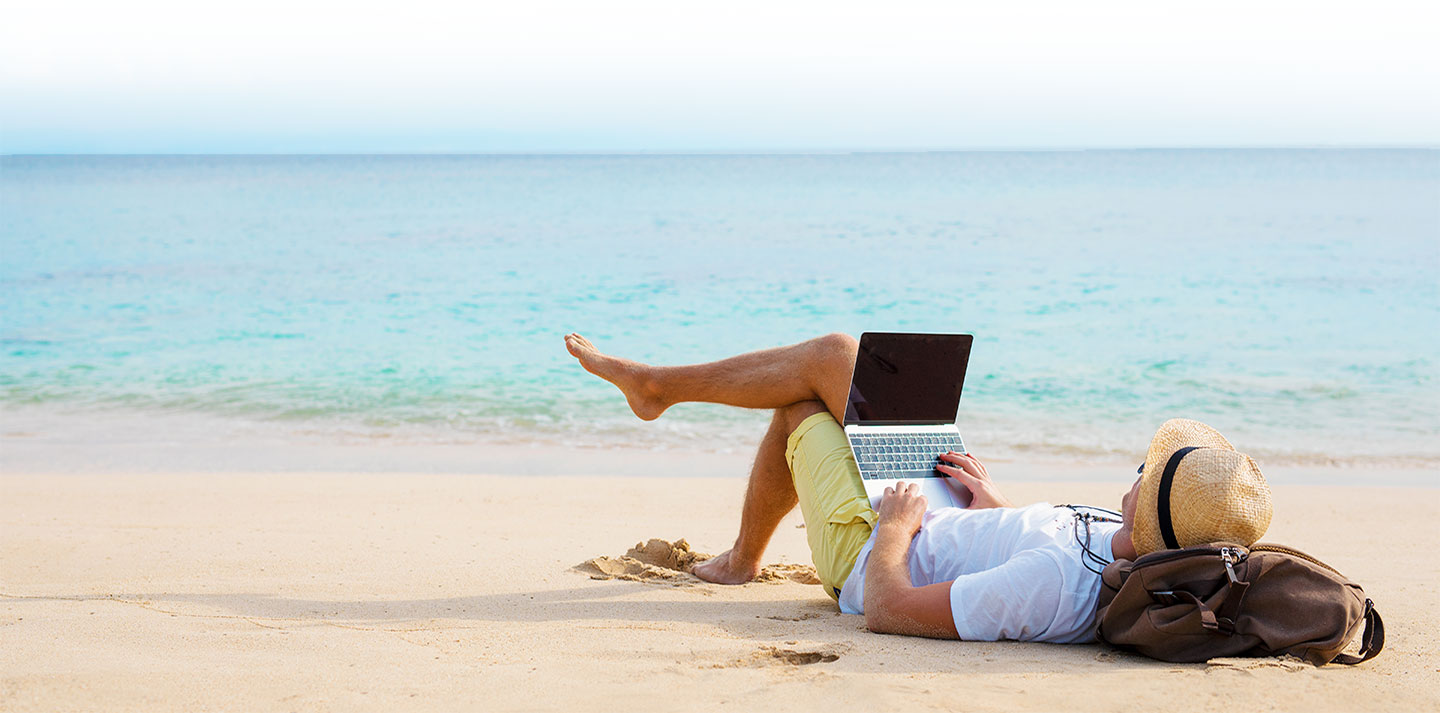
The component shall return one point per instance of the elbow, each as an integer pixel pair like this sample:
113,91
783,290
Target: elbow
877,620
873,623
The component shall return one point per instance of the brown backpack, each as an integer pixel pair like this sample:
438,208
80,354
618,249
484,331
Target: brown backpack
1221,599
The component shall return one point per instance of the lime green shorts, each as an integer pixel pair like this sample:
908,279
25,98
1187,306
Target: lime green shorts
838,516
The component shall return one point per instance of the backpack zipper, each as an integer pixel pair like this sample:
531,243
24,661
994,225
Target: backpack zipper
1231,556
1282,549
1167,555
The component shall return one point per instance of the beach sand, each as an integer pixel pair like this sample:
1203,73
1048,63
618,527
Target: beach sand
313,591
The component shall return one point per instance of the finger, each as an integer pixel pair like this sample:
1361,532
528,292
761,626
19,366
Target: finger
947,469
889,491
973,467
956,472
967,461
913,489
979,463
951,457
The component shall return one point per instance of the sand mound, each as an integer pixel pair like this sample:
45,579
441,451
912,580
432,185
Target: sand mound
675,555
655,560
659,560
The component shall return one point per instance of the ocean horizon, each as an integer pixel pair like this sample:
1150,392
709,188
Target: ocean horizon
1289,297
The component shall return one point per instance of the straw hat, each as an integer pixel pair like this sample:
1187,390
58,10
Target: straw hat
1216,494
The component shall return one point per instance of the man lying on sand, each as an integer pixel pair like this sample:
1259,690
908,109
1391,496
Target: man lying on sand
987,572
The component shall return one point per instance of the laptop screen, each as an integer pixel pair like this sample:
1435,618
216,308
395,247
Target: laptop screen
908,378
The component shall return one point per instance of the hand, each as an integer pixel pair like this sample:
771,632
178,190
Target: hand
971,473
902,508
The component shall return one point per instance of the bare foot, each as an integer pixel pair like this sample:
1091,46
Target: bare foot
631,377
722,569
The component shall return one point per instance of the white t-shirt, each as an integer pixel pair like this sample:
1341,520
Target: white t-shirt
1018,571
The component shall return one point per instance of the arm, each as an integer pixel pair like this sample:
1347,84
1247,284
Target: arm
1018,600
892,604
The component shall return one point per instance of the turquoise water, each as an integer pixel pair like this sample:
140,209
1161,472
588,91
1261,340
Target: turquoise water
1288,297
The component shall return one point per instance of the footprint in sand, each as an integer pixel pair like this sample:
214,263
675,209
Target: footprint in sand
670,562
798,658
799,617
1284,663
776,656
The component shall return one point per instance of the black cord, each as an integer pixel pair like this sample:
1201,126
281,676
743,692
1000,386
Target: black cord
1088,556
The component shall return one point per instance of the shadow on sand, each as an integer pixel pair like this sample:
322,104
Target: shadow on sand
763,623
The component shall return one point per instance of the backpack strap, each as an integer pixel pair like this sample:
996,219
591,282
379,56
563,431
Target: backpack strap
1220,620
1371,642
1229,611
1208,619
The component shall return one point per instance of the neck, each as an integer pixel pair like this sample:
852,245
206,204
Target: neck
1121,545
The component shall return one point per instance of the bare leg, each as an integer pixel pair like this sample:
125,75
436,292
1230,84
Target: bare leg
797,381
815,370
770,495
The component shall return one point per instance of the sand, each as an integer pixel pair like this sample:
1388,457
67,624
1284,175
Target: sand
316,591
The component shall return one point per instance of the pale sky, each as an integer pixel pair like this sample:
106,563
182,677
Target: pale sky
264,76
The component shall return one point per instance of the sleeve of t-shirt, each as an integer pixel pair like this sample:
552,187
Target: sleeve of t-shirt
1017,600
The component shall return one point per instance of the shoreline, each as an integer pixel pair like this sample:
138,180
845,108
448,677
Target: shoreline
43,455
59,441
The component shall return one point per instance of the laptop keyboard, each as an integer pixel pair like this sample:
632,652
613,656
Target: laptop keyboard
892,455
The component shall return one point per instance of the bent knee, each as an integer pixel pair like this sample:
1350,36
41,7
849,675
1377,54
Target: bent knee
839,344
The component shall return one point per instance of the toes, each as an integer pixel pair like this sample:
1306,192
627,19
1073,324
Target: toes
577,344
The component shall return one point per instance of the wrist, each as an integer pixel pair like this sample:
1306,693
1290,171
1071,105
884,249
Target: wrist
891,532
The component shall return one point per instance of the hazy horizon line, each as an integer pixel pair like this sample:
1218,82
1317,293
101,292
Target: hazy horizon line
745,152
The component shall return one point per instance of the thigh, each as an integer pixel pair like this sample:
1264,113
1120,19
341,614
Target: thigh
838,516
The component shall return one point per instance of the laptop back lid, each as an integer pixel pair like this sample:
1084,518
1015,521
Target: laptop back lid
907,379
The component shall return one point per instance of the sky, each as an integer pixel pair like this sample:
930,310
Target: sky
149,76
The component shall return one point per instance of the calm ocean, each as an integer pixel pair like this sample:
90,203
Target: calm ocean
1290,298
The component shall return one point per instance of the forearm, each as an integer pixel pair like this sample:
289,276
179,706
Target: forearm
887,573
893,605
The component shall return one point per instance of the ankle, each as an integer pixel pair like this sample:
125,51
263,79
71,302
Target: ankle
652,384
745,558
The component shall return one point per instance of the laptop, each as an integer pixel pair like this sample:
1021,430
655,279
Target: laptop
904,395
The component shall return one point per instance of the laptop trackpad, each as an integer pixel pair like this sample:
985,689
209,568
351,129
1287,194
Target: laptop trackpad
938,492
945,492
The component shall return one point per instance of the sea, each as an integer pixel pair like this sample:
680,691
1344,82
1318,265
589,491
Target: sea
1290,298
